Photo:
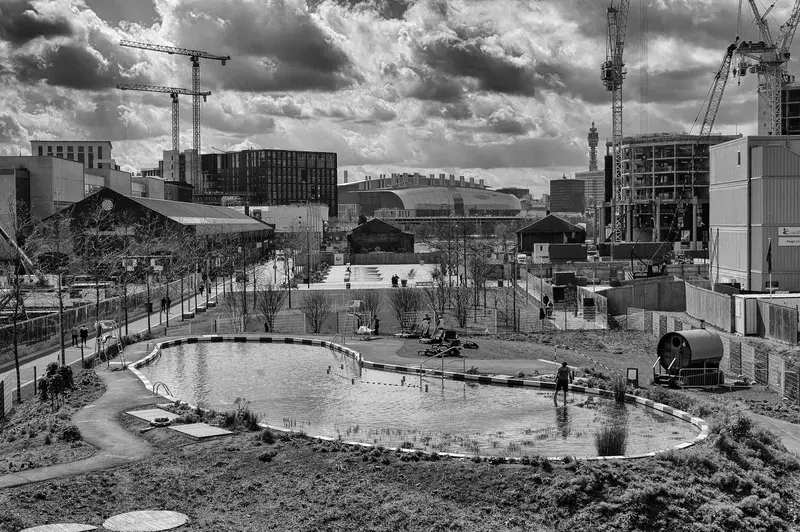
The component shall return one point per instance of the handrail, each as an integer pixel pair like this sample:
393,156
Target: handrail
339,335
437,355
162,384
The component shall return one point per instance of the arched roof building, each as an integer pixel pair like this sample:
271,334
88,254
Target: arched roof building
433,201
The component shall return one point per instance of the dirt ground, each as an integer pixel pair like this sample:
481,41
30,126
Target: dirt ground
34,436
245,483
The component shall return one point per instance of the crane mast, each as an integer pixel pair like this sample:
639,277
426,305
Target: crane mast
195,56
173,93
769,57
612,73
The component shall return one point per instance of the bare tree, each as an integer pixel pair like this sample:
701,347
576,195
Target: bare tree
19,225
233,307
437,295
406,302
462,299
269,302
371,303
52,244
317,309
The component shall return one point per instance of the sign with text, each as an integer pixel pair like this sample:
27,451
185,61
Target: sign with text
338,259
789,231
789,241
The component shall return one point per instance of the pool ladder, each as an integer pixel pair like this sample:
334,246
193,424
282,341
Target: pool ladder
163,385
441,355
338,336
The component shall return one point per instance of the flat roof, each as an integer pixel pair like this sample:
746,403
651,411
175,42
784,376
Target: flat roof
76,141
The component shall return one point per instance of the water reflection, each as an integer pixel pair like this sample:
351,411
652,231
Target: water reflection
562,421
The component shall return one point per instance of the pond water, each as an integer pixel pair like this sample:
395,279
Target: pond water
325,393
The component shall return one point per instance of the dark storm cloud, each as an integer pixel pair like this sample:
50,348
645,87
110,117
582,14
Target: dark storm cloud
436,88
20,23
522,152
709,24
279,46
107,120
71,66
468,59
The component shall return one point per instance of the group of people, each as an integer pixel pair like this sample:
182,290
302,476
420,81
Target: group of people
81,333
426,326
166,302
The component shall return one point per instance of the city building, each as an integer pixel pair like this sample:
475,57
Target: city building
91,153
755,193
289,218
594,140
414,195
151,172
143,186
179,166
270,177
53,183
552,239
655,168
521,193
567,195
594,185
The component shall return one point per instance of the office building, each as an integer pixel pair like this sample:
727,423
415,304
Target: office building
91,153
179,166
567,195
594,185
754,193
53,183
270,177
655,169
520,193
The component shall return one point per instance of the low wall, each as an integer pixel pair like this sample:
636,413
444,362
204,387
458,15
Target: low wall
713,307
777,322
657,294
387,258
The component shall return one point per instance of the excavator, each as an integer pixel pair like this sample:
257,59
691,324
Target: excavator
656,265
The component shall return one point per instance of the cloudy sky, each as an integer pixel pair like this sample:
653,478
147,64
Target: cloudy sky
500,89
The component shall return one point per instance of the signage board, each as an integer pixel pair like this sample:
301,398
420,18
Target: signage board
789,241
789,231
338,259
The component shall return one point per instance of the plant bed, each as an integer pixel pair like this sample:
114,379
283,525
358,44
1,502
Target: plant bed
36,435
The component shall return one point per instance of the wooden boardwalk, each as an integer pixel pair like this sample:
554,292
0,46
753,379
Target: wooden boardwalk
61,527
200,431
151,414
145,521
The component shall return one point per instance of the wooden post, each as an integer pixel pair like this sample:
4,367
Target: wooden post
34,381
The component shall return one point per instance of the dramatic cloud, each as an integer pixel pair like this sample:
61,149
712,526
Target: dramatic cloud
503,90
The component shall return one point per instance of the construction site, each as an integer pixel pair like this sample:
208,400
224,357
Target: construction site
658,204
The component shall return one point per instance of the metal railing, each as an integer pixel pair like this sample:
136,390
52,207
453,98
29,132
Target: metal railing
441,354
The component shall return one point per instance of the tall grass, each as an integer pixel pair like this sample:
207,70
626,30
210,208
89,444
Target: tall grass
612,438
619,386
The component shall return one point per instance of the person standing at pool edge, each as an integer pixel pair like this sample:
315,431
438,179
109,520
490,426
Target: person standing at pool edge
563,378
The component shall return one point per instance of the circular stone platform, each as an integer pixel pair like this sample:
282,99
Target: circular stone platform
145,521
61,527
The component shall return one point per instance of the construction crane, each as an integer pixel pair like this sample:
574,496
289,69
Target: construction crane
687,191
770,58
195,56
612,73
173,93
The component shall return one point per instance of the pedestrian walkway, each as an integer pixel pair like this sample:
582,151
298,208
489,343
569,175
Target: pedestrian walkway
560,319
97,423
74,354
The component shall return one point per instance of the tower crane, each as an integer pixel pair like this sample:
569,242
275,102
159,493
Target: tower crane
195,56
768,58
686,191
173,93
612,73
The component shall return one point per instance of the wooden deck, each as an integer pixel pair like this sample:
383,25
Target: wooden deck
200,431
61,527
151,414
145,521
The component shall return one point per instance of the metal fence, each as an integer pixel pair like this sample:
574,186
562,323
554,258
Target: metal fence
481,321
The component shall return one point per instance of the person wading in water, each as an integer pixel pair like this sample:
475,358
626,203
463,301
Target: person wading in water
563,378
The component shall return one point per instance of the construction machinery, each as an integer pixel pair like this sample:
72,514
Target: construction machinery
7,296
767,58
195,56
612,73
656,266
173,93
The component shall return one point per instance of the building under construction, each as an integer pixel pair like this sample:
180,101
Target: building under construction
655,168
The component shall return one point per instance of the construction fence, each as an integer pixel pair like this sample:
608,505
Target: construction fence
715,308
777,322
740,360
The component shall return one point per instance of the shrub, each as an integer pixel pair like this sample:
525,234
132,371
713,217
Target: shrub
71,433
66,375
547,466
619,387
612,438
267,456
266,436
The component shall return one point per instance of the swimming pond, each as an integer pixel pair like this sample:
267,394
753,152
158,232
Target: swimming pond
326,393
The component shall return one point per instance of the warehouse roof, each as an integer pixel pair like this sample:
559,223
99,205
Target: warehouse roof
551,224
418,197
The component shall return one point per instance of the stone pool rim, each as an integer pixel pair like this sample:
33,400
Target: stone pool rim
478,379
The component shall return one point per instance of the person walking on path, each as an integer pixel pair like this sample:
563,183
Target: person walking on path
75,336
376,324
84,335
201,289
426,327
169,303
163,304
563,378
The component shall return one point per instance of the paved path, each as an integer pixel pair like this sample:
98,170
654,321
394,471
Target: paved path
97,422
73,354
788,432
